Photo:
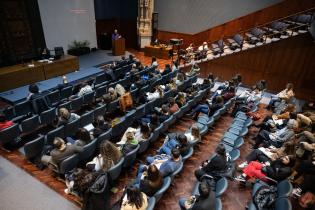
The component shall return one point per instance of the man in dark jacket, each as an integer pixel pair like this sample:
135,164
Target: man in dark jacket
204,201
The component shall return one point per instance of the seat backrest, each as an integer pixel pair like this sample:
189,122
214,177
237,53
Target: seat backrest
9,112
58,132
100,111
66,105
284,188
104,136
66,92
23,108
10,133
131,157
151,203
115,170
100,78
76,103
30,124
87,118
283,203
54,96
88,98
69,164
165,186
72,127
89,150
238,39
100,91
48,116
221,186
34,148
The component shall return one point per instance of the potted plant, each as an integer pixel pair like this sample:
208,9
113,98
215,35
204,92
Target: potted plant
79,47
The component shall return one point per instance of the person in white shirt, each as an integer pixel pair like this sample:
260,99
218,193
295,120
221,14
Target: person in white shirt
85,88
203,47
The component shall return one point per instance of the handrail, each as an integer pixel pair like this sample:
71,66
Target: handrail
283,18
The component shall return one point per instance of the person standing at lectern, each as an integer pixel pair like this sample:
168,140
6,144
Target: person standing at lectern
115,35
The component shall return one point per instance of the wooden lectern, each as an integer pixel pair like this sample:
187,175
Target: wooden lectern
118,46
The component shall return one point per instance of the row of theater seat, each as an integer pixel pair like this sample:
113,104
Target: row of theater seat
284,188
47,117
34,148
262,35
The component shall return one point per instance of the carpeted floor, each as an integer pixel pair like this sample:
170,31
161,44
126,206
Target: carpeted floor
19,190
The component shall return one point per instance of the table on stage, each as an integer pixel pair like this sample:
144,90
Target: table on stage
22,74
157,51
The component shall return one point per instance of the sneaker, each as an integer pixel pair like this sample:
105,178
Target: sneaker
240,179
243,165
297,192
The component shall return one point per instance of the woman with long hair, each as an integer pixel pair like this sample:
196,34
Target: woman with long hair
134,199
150,180
193,135
108,157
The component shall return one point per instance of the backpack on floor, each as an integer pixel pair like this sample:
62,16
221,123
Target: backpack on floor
264,198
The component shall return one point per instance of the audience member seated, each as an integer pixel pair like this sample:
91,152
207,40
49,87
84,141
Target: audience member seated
166,164
64,117
112,93
149,179
109,156
167,70
278,170
4,122
134,199
143,132
84,89
33,91
164,114
181,99
194,70
158,93
269,154
154,62
154,122
193,134
100,126
120,90
204,201
180,79
173,106
216,105
134,69
172,141
202,107
130,144
82,137
285,95
276,138
214,165
60,152
306,192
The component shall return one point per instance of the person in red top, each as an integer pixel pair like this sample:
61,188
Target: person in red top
4,122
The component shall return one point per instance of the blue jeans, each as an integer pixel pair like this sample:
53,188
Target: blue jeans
273,100
168,146
181,203
201,108
141,169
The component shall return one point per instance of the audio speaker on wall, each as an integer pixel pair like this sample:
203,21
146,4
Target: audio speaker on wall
312,29
155,21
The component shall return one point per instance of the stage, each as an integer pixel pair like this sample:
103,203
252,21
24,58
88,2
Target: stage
89,67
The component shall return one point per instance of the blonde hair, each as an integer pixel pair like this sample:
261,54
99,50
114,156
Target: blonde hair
64,113
195,131
110,154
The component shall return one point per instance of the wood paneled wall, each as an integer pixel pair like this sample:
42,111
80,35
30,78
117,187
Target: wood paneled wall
21,31
126,27
284,9
289,60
